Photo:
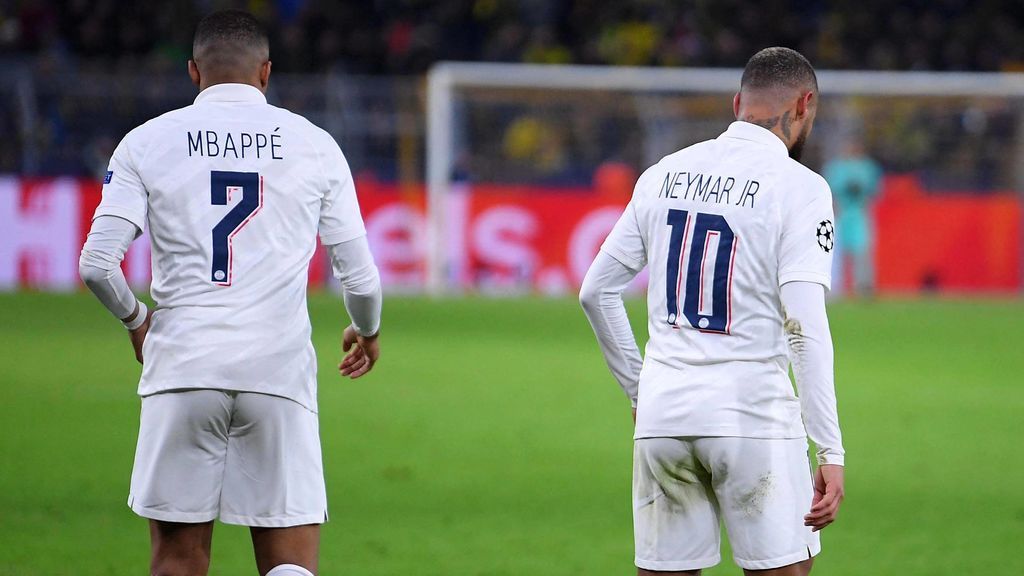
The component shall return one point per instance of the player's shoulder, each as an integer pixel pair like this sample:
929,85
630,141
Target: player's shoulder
170,118
691,152
138,139
806,183
303,125
655,174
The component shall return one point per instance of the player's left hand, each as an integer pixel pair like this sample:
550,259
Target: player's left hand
828,494
362,353
138,336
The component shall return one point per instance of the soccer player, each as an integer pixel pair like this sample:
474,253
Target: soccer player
738,236
234,192
855,179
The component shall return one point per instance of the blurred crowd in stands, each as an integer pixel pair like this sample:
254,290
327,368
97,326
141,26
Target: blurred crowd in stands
406,36
78,74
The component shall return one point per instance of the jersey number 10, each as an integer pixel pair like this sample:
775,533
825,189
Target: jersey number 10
712,238
222,186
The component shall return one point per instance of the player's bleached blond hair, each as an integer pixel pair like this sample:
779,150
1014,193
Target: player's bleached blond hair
778,67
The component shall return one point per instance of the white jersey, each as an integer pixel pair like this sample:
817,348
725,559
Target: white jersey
722,225
234,192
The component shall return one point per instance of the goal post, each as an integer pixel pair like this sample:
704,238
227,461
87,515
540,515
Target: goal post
656,98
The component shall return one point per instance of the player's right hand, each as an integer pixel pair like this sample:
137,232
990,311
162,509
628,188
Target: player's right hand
828,494
362,353
138,336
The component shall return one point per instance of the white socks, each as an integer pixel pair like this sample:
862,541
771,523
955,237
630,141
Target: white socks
289,570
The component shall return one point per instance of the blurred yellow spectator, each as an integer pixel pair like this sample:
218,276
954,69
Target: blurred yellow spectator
532,141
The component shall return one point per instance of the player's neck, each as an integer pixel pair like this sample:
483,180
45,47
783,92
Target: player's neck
206,83
778,124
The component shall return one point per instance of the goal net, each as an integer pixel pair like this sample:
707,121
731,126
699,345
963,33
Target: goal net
528,166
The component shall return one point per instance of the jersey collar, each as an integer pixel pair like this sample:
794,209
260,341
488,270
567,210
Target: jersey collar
231,93
754,133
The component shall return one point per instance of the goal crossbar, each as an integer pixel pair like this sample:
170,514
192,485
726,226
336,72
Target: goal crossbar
445,78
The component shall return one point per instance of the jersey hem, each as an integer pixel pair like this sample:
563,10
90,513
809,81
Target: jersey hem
151,390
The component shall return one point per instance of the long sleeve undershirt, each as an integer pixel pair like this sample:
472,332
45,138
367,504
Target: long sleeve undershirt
360,281
807,333
601,298
110,236
100,263
811,354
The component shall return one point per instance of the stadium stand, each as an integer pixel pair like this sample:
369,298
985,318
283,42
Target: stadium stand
68,61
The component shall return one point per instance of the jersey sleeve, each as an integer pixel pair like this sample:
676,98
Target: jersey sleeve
626,241
124,194
340,219
808,238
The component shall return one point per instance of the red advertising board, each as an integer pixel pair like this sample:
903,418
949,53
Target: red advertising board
949,242
530,239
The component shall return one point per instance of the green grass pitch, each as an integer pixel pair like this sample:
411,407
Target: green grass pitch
492,441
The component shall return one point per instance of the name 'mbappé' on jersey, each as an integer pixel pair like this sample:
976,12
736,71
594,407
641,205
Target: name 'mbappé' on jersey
234,192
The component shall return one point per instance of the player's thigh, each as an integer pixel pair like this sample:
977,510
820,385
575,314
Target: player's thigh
180,455
764,489
675,515
274,474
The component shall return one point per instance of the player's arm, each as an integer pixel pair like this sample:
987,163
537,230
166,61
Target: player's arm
360,281
805,273
811,354
100,269
343,233
118,220
601,298
623,254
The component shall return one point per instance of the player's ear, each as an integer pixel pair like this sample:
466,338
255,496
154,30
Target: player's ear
804,104
193,72
265,74
736,105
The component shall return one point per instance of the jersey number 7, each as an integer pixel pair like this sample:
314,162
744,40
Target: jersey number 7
222,186
712,238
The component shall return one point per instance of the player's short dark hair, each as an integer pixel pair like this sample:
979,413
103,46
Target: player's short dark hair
778,67
230,31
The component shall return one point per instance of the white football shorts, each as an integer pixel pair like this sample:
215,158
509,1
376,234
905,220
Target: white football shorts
246,458
683,487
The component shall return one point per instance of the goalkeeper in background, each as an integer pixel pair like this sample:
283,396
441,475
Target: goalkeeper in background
855,179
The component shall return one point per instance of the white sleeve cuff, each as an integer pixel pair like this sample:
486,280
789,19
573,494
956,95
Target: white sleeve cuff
626,260
332,237
124,213
831,456
139,319
806,276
